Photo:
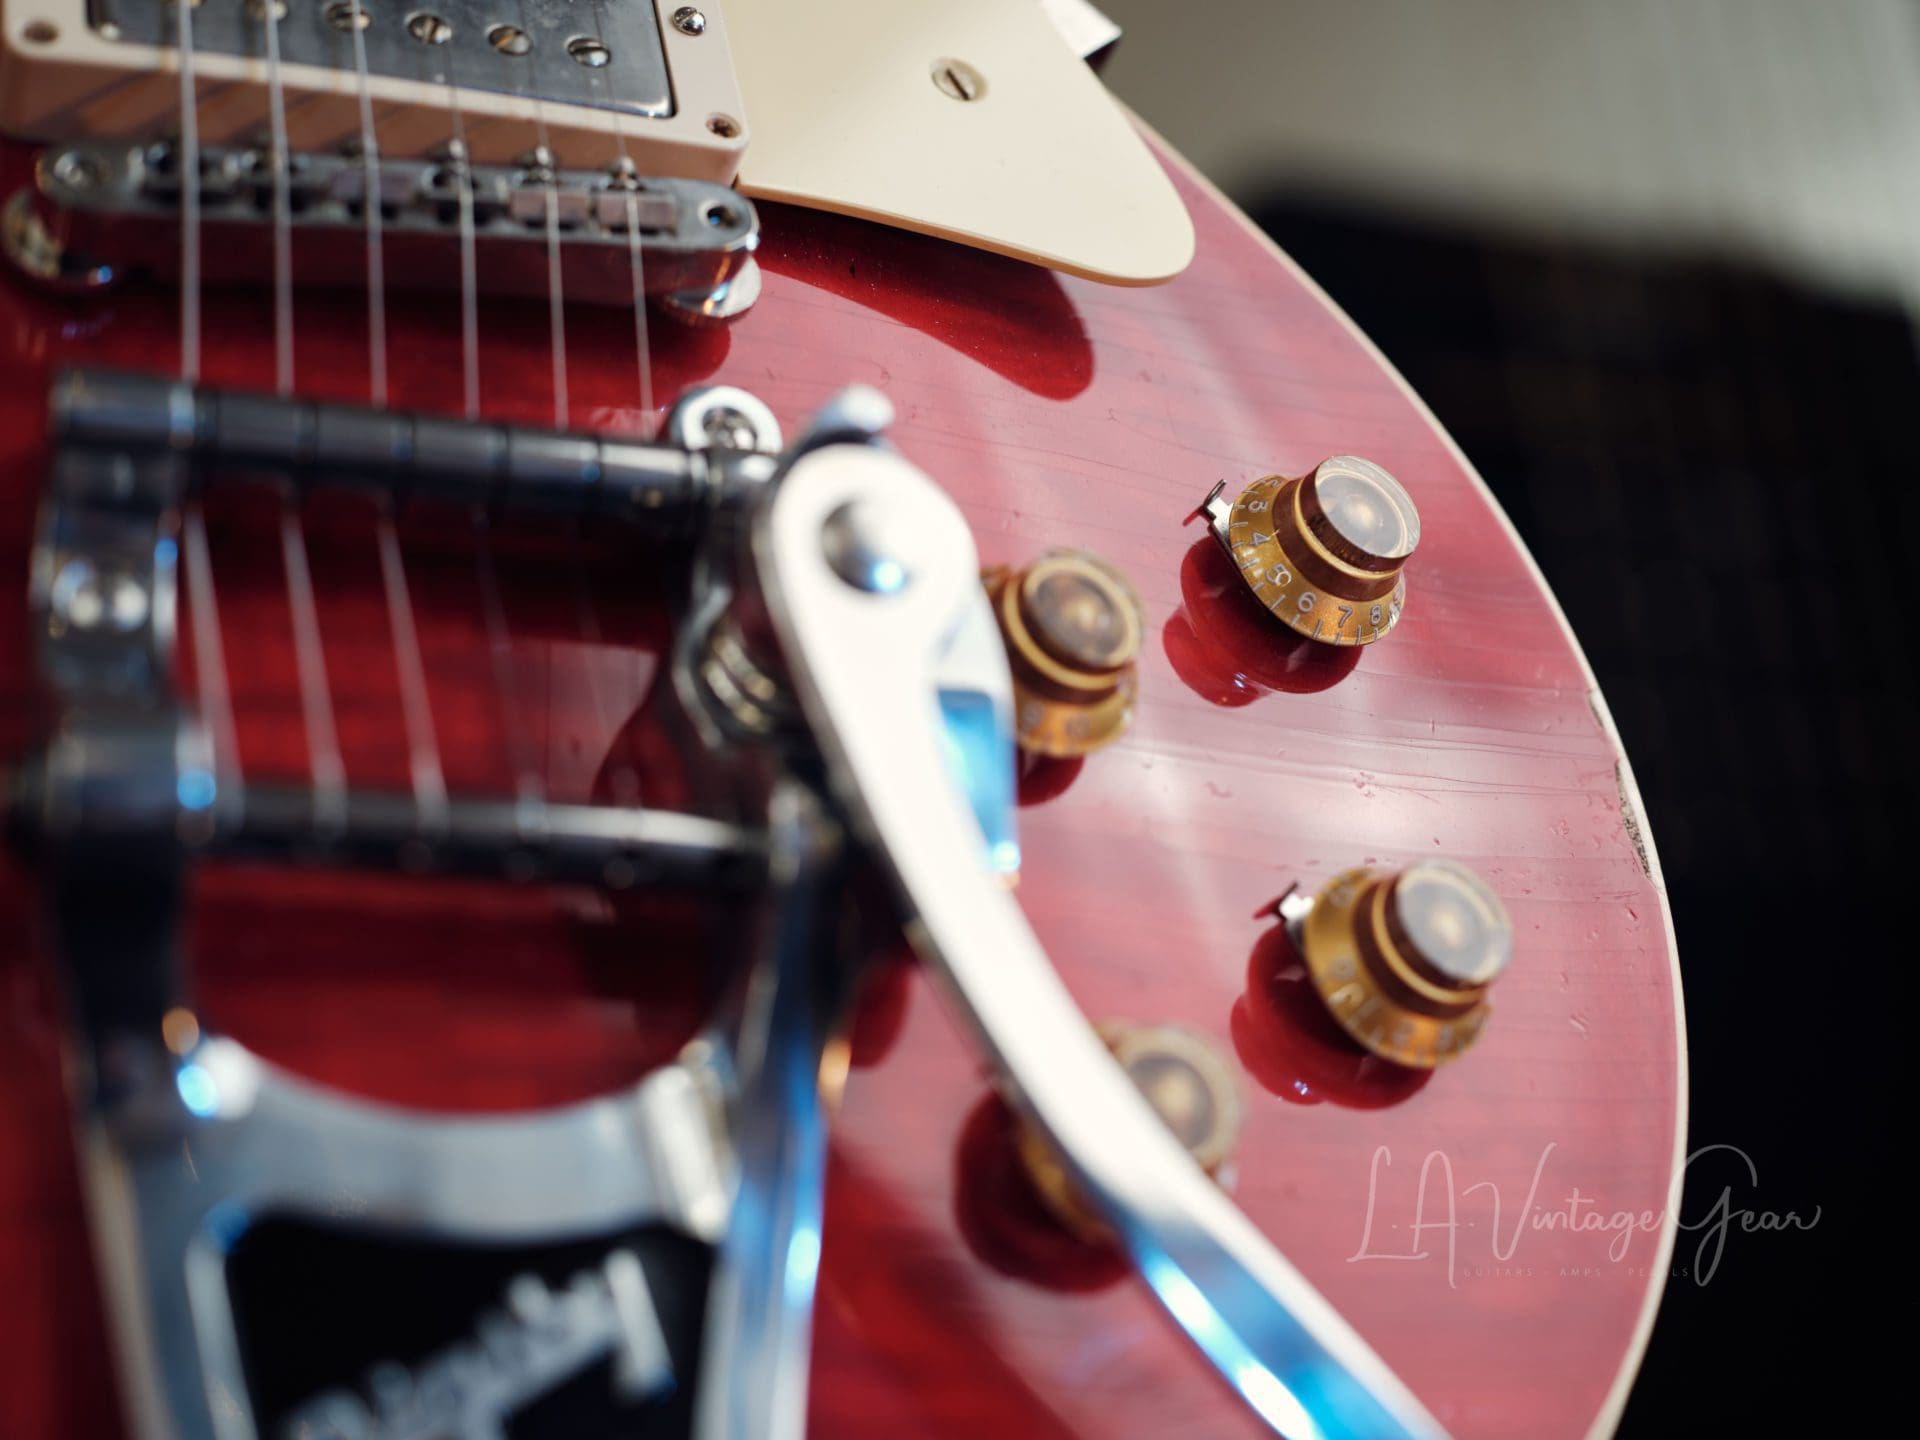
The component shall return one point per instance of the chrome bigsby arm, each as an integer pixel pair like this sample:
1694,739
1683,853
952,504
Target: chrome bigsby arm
871,581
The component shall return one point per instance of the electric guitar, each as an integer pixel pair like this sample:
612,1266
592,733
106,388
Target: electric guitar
715,730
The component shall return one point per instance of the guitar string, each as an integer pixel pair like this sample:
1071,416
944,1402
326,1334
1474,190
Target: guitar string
459,166
643,349
189,172
210,665
469,261
556,296
626,777
370,179
215,696
424,765
326,769
423,746
282,202
529,788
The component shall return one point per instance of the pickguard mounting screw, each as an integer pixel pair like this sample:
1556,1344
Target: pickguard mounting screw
958,80
689,21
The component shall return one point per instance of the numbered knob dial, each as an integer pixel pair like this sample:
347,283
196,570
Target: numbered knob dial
1190,1086
1323,552
1405,961
1072,625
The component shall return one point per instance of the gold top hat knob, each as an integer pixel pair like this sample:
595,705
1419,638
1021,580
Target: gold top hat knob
1323,552
1190,1087
1073,626
1404,961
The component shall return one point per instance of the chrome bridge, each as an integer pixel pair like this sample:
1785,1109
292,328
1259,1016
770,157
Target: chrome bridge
101,211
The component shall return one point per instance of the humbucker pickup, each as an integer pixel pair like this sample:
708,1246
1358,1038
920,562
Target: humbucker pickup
619,77
98,211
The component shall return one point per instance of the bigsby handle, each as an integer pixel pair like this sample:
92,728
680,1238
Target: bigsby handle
871,580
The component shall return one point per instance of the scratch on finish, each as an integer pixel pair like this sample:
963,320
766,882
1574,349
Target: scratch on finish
1629,817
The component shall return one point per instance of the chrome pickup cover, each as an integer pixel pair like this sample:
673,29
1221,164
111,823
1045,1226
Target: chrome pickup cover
561,52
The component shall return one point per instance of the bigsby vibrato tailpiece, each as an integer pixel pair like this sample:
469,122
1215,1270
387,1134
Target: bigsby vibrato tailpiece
836,587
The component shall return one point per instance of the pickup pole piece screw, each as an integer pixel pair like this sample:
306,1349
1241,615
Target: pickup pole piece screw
509,40
689,21
588,51
343,16
428,28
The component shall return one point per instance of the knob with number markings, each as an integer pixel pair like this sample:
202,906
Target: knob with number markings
1323,552
1404,961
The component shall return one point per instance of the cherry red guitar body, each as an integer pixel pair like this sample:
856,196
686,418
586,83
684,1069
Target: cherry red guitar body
1499,1231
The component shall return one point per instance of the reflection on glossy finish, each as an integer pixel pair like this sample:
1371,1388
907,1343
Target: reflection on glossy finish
1294,1048
1227,650
1011,317
1452,921
1044,776
1360,512
880,1007
1006,1222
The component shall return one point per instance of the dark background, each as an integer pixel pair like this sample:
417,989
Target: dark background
1701,407
1717,471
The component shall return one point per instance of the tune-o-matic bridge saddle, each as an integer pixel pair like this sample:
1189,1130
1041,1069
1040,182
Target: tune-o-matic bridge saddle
98,212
